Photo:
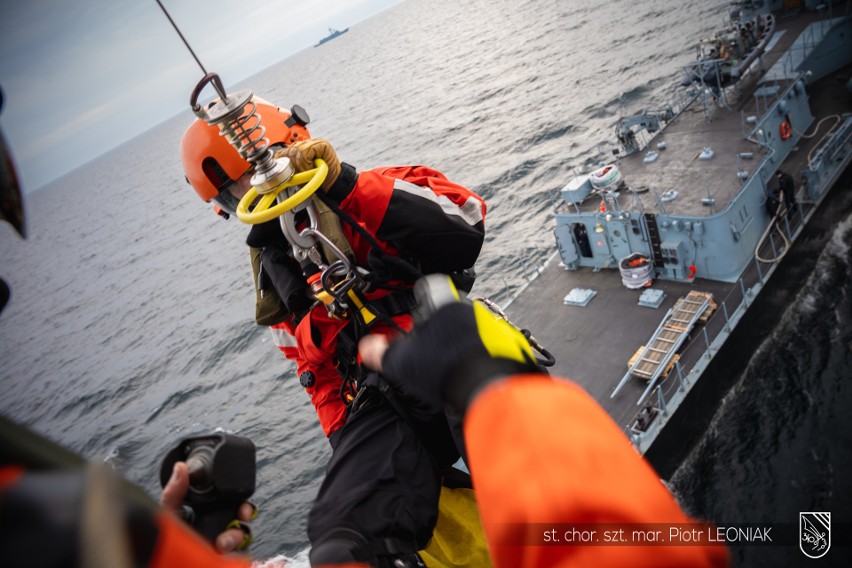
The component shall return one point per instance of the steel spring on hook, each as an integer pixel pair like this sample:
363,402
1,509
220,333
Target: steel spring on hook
243,130
247,134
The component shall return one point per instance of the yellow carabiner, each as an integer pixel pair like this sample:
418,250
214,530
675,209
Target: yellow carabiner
265,211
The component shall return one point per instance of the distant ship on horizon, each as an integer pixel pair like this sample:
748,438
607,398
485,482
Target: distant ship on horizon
332,33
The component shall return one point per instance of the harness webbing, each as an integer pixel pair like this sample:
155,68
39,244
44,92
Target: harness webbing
378,260
385,308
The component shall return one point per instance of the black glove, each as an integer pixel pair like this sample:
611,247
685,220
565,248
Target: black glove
450,357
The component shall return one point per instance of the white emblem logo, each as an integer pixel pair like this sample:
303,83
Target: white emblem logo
814,534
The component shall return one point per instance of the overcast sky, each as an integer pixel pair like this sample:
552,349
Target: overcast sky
82,76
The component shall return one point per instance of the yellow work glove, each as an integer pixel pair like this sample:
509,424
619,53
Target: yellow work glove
451,356
303,154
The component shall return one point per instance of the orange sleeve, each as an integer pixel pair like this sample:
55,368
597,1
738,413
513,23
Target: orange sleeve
544,454
178,547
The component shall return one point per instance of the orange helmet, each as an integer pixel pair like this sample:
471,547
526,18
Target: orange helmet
212,165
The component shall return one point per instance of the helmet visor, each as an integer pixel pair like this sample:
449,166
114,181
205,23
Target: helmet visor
231,193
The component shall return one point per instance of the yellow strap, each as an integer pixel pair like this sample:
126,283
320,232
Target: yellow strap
365,312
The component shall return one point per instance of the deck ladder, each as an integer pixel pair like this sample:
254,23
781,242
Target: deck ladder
660,351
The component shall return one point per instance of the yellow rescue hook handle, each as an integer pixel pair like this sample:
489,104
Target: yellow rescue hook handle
265,211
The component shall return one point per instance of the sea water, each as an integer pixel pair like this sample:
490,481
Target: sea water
131,320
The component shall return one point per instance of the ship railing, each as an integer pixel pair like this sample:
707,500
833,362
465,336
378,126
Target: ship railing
671,390
829,160
810,37
682,99
677,103
832,148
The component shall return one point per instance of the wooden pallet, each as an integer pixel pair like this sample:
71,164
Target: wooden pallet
665,372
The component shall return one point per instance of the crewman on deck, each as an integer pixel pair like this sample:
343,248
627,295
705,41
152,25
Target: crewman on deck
783,192
787,185
379,499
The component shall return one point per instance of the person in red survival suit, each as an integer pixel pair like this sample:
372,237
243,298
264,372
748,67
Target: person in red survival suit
412,212
543,454
378,501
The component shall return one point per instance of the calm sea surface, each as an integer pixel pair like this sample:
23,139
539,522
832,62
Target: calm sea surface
131,321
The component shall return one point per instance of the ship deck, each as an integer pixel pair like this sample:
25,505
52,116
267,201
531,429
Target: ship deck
705,123
593,344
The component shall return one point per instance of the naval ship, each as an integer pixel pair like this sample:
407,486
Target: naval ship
332,33
674,253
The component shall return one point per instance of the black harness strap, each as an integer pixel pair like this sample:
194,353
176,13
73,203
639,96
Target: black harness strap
383,266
